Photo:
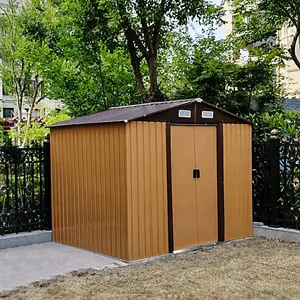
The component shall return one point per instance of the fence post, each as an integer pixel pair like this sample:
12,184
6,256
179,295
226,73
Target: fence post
274,177
47,178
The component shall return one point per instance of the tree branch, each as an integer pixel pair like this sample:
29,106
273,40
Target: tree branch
24,81
135,62
34,99
138,42
145,27
36,90
287,13
129,31
295,7
292,50
157,25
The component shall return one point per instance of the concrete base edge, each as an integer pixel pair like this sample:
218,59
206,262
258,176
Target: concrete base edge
25,239
284,234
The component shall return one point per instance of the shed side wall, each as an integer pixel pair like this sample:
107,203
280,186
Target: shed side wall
89,188
237,180
146,189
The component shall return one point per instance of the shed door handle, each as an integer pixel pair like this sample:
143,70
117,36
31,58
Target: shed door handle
196,173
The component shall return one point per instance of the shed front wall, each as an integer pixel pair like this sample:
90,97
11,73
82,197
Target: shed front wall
237,140
146,189
89,188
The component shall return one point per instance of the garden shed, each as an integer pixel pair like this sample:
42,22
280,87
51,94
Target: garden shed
145,180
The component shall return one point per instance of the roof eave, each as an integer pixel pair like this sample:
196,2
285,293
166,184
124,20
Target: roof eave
83,124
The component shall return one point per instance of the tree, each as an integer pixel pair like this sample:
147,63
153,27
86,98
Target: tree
82,71
21,61
140,25
258,20
87,90
239,88
35,133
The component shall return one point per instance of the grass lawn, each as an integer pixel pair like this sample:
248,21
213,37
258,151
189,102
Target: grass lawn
251,269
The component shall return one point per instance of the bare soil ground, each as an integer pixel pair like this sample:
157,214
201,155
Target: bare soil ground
251,269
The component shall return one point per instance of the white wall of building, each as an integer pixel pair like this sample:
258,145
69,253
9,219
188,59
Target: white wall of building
290,72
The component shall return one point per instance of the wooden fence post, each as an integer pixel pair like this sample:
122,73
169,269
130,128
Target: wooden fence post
47,178
274,177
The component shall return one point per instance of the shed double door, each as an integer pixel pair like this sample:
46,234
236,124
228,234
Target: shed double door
194,185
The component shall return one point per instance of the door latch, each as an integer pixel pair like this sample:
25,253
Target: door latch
196,173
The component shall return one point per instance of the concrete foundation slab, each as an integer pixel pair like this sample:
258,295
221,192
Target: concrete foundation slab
23,265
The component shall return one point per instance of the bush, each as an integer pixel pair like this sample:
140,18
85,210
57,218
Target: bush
286,122
34,134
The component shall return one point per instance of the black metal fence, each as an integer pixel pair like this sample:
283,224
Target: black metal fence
25,186
24,189
276,186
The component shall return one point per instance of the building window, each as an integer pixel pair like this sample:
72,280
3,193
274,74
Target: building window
8,112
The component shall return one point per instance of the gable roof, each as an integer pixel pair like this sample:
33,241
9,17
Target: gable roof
135,112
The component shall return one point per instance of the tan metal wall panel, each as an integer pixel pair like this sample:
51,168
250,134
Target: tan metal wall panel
146,189
206,185
237,180
89,188
184,198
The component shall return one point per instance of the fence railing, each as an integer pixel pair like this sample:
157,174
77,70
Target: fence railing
276,186
24,189
25,186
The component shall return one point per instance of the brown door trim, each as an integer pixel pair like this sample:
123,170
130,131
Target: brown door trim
191,124
220,181
169,189
220,174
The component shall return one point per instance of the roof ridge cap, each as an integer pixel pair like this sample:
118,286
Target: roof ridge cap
156,103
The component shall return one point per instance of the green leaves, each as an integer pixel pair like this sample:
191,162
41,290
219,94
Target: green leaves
286,122
35,133
239,88
140,27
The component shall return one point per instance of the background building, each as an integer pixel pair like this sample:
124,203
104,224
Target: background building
290,73
8,107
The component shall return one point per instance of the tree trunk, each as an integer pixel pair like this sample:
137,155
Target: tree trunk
29,116
20,116
135,63
154,90
149,52
138,75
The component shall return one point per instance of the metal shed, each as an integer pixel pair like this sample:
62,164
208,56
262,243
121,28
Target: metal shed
144,180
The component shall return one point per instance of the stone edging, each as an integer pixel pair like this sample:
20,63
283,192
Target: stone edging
284,234
25,239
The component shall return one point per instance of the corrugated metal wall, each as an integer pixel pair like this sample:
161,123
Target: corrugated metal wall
147,189
109,187
237,180
89,188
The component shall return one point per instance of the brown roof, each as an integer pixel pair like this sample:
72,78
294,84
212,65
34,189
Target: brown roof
133,112
124,113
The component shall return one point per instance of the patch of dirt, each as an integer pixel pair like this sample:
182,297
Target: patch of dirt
251,269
